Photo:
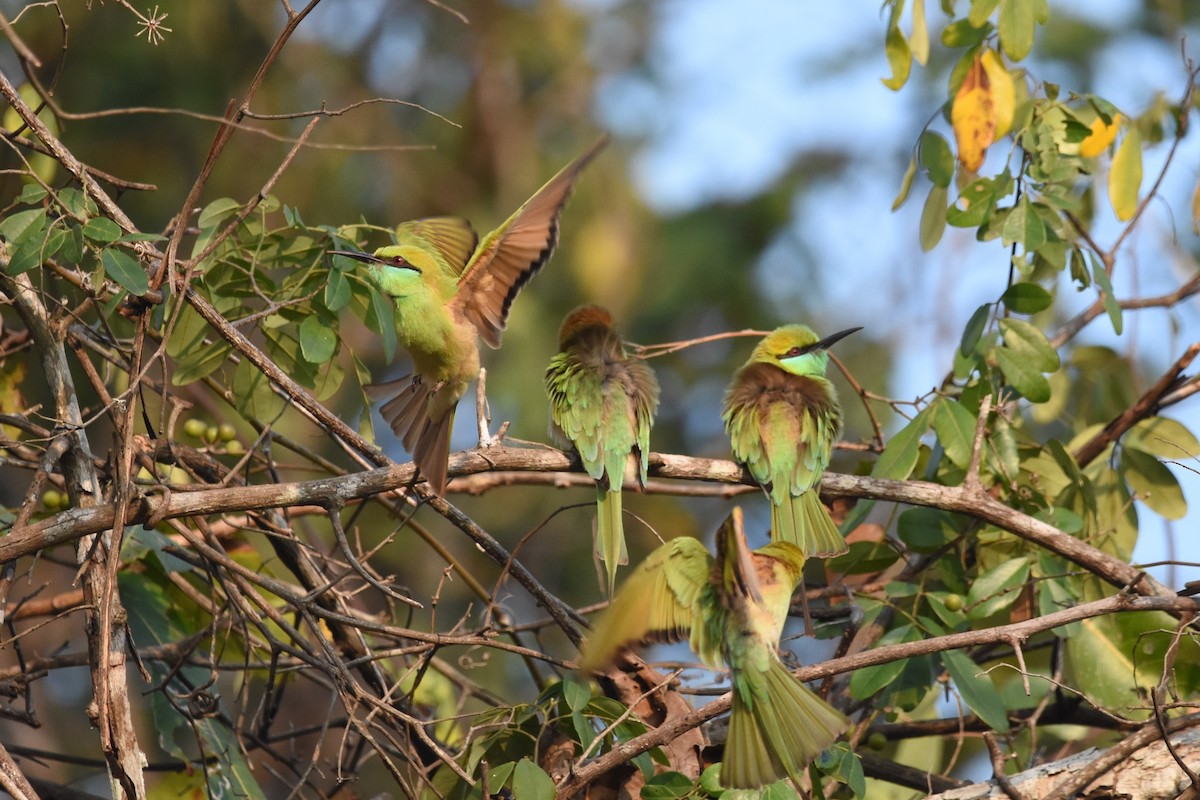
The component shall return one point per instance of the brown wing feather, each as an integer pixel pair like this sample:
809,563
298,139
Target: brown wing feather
406,412
510,255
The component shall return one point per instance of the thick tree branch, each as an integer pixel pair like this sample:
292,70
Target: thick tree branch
72,524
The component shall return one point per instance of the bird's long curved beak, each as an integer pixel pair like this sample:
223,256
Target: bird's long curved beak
828,341
357,255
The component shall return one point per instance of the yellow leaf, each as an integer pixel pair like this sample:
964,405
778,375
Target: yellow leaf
1004,95
973,116
1125,177
1100,138
919,41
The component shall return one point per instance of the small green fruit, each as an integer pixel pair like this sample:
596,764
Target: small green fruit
876,741
953,602
234,448
227,432
194,428
52,499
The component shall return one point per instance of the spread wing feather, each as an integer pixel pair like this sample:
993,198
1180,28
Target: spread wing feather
657,602
510,255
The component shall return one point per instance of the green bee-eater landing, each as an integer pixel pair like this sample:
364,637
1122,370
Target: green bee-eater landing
732,608
602,402
450,289
782,417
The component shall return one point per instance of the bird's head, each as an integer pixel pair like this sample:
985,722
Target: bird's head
391,268
797,349
582,319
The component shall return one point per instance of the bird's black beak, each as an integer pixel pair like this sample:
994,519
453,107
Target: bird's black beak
357,255
829,341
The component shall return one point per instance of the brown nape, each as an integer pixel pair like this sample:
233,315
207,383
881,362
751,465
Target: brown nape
762,384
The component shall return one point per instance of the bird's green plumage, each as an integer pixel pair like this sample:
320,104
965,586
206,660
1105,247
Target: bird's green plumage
451,289
783,417
732,608
602,402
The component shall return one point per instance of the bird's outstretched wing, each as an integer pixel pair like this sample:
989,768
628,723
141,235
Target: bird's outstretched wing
655,603
510,255
453,238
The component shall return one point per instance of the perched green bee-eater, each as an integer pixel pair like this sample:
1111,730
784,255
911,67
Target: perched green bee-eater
450,289
732,608
602,402
782,417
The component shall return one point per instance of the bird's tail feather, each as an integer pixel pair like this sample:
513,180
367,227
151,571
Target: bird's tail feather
407,413
804,521
610,534
776,730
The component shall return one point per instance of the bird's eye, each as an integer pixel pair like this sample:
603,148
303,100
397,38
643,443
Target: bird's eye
795,351
399,262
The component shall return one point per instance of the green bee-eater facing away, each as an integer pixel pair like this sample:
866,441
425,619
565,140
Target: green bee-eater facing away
782,417
732,608
450,289
602,402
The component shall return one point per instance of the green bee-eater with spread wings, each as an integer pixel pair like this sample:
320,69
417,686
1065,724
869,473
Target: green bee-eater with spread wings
450,289
732,609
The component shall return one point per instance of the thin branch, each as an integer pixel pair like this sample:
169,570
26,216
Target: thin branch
1146,406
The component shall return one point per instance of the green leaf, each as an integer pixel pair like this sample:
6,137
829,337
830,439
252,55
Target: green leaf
906,183
900,455
337,291
102,229
1024,226
1027,298
318,342
12,226
1016,28
1027,380
1064,519
955,428
997,589
925,529
31,193
899,56
385,322
977,690
667,786
531,781
576,692
974,330
216,211
1162,437
253,394
936,158
1111,306
125,270
961,33
200,362
1029,341
933,217
1125,176
1153,483
980,11
868,681
76,203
